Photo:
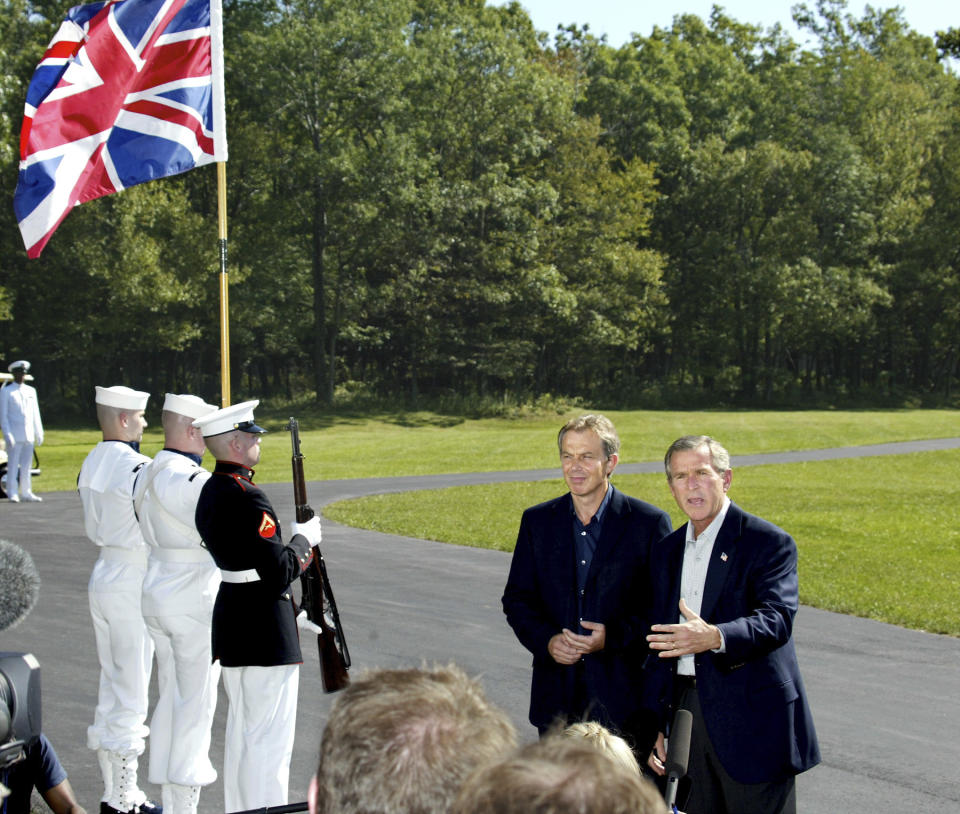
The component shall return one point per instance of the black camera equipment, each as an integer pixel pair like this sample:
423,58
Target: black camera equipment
19,705
19,672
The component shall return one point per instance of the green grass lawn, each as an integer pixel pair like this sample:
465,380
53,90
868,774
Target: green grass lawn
426,443
874,534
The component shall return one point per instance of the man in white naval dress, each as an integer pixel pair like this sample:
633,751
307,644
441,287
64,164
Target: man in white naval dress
178,594
124,649
22,430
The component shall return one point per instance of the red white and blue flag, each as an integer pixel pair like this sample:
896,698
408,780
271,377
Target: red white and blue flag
128,91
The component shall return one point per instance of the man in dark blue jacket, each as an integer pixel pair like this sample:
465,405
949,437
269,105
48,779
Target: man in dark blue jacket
575,596
725,593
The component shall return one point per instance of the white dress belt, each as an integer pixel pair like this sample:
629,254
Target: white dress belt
237,577
132,556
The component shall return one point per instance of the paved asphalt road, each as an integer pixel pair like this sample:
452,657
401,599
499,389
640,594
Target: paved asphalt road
885,699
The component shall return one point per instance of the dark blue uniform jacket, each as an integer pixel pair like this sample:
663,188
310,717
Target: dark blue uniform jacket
254,623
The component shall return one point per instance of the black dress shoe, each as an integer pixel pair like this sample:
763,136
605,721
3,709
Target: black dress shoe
146,807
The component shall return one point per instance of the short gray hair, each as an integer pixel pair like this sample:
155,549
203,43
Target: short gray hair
406,740
719,457
600,424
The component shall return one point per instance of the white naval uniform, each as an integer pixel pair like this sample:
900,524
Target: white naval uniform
178,595
123,644
22,429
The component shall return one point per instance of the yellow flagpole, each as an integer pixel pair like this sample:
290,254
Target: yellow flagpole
224,286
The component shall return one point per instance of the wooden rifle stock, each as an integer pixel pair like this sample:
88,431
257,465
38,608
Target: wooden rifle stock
317,595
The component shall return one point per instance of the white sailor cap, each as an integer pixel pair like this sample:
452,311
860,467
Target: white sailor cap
123,398
20,364
235,417
189,406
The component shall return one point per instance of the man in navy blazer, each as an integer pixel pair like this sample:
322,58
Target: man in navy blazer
730,580
575,592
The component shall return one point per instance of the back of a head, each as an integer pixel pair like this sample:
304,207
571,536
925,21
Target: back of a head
109,419
219,445
405,740
176,428
558,775
599,737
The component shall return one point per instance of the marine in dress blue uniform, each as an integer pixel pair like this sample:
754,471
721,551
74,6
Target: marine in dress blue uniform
255,635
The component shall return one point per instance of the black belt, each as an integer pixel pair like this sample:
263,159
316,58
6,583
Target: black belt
682,682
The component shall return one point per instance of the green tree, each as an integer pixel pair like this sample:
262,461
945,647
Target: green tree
948,42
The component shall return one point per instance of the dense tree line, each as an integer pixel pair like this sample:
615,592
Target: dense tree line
428,199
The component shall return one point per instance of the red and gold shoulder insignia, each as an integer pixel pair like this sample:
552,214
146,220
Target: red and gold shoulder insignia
268,526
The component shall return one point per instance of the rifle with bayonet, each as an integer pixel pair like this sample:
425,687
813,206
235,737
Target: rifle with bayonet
317,595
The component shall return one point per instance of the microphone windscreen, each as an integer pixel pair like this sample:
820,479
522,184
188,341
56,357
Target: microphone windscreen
678,748
19,584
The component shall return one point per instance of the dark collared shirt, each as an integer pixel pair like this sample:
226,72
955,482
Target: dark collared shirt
585,540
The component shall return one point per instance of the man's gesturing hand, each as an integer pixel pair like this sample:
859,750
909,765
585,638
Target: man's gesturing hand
692,636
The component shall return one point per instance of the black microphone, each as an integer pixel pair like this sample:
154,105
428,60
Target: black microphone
19,584
678,753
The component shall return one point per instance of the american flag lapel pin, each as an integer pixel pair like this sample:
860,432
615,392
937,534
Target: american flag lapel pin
723,556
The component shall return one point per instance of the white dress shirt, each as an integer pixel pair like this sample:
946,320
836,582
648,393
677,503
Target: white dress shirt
696,560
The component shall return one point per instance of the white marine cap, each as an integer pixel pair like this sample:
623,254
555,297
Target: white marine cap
189,406
123,398
235,417
18,365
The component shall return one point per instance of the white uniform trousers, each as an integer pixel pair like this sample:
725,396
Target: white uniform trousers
261,721
125,653
20,455
182,719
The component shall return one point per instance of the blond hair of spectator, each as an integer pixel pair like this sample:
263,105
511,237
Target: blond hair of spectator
558,775
598,736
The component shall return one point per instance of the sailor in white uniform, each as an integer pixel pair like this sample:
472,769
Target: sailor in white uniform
178,594
124,648
22,430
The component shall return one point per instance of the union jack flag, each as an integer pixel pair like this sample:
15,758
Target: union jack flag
127,91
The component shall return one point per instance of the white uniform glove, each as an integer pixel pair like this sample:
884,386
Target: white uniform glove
310,530
305,624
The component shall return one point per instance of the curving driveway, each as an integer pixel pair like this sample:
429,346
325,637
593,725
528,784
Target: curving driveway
884,698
